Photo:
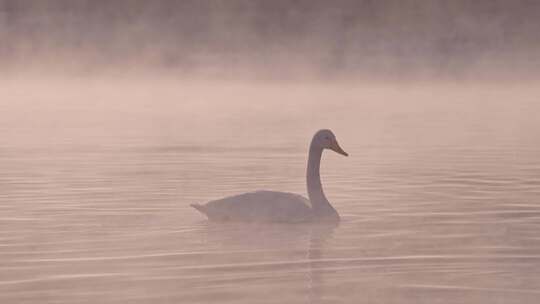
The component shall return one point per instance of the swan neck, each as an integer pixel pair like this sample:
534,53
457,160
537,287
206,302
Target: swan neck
318,200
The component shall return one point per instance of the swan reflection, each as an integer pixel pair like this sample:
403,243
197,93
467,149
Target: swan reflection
270,253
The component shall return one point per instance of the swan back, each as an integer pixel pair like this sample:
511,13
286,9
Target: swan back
259,206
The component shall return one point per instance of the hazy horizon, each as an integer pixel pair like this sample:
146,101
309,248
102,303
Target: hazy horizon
287,40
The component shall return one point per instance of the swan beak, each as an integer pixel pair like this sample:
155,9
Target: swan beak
336,148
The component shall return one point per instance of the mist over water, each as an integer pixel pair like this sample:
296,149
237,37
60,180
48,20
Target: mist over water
114,117
274,39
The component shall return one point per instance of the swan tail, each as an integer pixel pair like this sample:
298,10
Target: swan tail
199,208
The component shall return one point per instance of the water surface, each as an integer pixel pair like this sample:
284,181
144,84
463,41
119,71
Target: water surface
439,197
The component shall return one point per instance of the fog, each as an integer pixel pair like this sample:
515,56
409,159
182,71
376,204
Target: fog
115,116
280,40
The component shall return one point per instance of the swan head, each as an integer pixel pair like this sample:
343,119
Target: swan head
325,139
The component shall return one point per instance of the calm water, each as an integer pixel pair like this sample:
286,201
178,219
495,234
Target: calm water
440,196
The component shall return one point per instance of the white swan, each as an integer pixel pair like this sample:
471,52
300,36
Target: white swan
272,206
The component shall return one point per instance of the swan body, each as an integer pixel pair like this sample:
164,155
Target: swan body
273,206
